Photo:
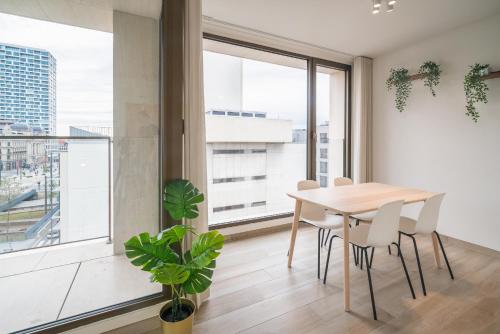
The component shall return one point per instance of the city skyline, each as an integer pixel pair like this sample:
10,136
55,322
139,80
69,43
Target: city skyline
84,67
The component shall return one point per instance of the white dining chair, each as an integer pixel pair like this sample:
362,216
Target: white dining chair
426,224
382,232
342,181
317,216
364,217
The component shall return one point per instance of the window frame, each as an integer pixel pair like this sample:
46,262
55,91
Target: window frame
312,63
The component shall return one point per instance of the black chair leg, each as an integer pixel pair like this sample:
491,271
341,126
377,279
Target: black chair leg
362,257
371,257
389,248
370,284
406,271
319,248
328,258
328,235
359,256
355,255
357,222
399,243
444,255
419,265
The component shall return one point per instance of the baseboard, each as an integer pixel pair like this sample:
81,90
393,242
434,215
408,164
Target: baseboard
256,232
471,246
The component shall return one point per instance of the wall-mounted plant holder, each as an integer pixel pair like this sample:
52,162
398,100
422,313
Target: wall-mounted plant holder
475,88
430,72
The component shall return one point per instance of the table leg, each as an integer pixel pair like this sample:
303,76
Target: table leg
295,226
347,294
436,250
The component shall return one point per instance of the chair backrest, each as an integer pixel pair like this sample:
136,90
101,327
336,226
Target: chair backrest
342,181
310,211
428,217
385,224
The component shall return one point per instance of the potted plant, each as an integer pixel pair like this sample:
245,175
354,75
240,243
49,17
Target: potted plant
185,272
431,72
400,80
475,89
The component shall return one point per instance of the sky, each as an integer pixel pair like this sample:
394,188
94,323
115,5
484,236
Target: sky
280,91
84,84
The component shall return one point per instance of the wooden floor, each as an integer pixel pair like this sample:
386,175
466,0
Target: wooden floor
255,292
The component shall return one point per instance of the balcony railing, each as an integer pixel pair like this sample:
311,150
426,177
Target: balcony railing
53,190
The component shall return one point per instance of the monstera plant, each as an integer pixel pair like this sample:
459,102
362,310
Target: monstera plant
184,271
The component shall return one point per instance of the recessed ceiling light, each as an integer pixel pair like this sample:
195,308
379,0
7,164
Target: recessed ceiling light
375,11
391,2
376,3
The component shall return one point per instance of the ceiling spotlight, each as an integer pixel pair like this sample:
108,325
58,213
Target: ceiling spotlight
391,2
376,3
375,10
390,8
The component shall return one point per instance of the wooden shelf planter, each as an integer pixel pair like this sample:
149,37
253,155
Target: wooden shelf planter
492,75
414,77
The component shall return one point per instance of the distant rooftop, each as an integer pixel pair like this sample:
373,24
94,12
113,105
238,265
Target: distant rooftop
236,113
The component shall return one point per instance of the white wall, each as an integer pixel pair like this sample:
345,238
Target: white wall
433,145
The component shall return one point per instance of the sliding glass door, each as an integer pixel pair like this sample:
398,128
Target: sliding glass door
330,123
272,119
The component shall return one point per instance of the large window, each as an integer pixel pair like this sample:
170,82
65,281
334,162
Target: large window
330,123
256,120
258,105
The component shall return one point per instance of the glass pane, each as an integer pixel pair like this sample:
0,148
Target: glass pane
330,113
256,116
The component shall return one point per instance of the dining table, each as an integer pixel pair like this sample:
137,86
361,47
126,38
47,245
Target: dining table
351,200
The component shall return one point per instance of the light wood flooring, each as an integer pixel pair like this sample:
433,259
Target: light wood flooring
255,292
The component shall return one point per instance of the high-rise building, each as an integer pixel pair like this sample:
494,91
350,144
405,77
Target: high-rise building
28,87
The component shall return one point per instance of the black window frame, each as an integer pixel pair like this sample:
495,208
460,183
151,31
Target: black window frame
312,63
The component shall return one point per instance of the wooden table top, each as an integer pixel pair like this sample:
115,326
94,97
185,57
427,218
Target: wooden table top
359,198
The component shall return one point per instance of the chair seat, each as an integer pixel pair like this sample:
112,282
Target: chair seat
366,217
407,225
358,235
330,222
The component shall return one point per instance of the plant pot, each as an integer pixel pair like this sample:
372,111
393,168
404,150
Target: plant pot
485,71
179,327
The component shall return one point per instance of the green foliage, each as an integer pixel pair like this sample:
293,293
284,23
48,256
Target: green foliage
399,79
431,72
475,90
180,198
186,273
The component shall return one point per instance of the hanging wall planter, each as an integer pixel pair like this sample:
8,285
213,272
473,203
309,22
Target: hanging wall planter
399,78
475,88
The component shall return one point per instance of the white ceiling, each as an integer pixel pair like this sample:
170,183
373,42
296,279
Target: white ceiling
92,14
348,25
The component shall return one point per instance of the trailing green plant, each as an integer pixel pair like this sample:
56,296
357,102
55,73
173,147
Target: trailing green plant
188,272
431,73
400,80
475,90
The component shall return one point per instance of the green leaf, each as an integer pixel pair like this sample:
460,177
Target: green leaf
399,79
199,279
175,234
180,198
204,250
144,252
170,274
